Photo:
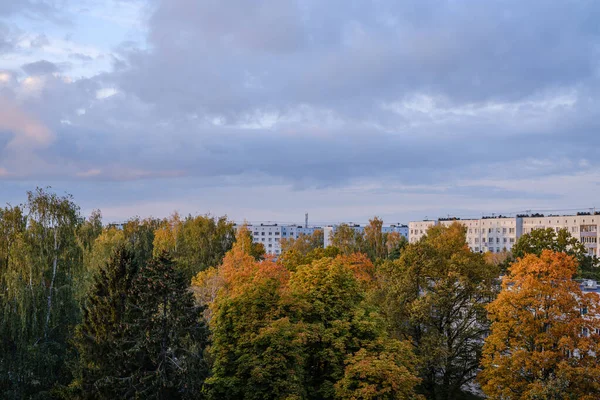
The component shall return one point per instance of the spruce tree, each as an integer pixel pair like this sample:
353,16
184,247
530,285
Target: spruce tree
142,335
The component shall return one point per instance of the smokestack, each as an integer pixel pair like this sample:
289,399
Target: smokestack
306,220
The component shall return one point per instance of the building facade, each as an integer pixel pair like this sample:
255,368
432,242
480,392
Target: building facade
497,234
270,235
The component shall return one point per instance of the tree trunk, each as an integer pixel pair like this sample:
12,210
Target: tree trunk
54,267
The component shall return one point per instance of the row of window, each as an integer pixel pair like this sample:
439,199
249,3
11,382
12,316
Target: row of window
491,240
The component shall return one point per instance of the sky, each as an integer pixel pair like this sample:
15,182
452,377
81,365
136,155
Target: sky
264,110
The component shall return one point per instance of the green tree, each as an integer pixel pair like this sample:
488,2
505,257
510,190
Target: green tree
328,298
41,262
142,335
435,295
196,243
562,241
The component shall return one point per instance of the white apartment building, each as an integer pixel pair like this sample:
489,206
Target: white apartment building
270,235
417,229
582,227
496,234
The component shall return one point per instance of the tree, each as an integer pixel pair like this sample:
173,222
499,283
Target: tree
304,244
384,371
142,335
549,239
375,239
435,295
347,239
544,337
328,298
39,311
280,334
395,243
195,243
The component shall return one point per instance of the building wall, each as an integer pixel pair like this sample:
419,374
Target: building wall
582,227
501,233
417,229
270,235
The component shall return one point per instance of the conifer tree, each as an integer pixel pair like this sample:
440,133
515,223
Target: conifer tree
142,335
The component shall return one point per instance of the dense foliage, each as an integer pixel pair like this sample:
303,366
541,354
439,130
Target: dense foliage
192,308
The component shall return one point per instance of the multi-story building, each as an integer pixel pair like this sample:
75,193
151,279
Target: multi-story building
496,234
416,229
270,235
583,226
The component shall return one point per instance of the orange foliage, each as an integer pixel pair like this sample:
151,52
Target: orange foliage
541,344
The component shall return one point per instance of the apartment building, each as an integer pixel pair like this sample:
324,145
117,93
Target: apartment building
583,226
496,234
417,229
270,235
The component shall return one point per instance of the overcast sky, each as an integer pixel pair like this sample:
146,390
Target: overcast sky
267,109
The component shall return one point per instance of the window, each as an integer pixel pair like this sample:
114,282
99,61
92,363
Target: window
283,234
476,248
476,240
276,233
255,233
505,240
482,240
585,332
584,310
497,249
490,230
270,245
270,233
511,230
270,240
497,240
512,240
504,230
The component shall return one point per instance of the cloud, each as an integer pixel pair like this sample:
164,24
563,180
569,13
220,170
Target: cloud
41,67
434,104
27,131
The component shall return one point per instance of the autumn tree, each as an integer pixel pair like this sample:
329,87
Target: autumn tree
544,337
562,241
303,244
347,239
435,296
281,334
375,239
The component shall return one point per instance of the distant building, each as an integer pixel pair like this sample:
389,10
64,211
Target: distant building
496,234
270,235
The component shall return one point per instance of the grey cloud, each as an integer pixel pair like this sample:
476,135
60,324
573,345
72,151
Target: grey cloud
317,96
40,41
227,58
80,57
41,67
